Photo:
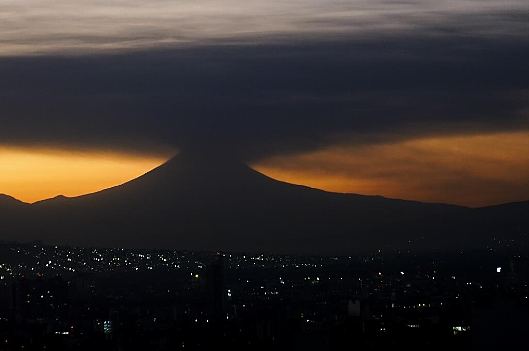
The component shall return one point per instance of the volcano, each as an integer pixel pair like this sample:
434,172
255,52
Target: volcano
212,203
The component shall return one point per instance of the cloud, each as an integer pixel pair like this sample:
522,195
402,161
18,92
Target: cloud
256,78
257,100
60,26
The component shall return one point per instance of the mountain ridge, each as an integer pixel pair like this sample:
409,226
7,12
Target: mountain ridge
220,204
8,199
62,197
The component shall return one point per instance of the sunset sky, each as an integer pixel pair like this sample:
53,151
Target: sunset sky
422,100
33,174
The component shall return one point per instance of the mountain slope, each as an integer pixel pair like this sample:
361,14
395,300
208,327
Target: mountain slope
12,213
9,201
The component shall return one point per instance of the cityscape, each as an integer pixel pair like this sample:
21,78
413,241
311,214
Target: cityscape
78,298
264,175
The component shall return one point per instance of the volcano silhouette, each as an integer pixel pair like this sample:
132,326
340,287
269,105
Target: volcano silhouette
212,203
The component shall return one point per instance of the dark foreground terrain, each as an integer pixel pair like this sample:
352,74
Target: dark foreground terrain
71,298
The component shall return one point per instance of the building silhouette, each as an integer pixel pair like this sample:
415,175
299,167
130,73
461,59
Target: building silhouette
215,285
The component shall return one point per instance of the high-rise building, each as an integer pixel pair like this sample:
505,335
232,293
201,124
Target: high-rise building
215,284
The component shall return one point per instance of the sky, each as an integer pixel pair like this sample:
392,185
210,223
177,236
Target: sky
419,99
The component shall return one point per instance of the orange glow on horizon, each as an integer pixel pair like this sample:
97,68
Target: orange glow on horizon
475,170
31,174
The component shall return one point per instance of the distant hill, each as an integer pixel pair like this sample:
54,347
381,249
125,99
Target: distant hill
208,203
6,201
505,226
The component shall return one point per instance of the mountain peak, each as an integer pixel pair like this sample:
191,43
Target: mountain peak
203,169
58,198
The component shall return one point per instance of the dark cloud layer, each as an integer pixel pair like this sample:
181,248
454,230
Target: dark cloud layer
259,100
